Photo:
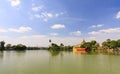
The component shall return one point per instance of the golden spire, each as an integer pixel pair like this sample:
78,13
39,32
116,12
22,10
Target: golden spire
83,41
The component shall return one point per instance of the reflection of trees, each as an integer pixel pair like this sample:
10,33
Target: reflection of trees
54,52
1,54
20,53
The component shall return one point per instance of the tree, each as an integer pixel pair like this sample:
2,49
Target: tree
118,43
61,45
8,46
106,44
50,40
90,46
93,42
54,47
94,45
86,45
113,44
2,43
19,47
108,40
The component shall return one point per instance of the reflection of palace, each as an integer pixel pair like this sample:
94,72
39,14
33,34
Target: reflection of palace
77,48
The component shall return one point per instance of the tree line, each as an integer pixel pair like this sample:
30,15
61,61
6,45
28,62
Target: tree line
11,47
106,46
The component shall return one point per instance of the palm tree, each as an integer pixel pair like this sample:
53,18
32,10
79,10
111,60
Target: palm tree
50,40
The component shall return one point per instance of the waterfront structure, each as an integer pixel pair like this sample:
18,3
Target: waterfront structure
77,48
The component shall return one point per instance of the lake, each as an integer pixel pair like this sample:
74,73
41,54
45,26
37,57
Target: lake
44,62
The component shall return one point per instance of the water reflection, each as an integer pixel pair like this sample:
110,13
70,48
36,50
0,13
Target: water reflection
1,54
40,61
54,53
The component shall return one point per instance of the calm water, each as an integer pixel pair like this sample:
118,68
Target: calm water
43,62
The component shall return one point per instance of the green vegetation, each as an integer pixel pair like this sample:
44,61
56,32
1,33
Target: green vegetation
10,47
19,47
56,49
90,46
2,43
61,47
111,45
108,46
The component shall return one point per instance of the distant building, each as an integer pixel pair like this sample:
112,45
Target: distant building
78,49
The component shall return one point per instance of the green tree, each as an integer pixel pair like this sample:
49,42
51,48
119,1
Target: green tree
86,45
113,44
8,46
93,42
2,43
94,45
19,47
90,46
118,43
54,47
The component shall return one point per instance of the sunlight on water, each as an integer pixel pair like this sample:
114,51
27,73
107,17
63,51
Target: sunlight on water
43,62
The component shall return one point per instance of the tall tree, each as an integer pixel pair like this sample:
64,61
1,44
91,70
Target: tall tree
2,43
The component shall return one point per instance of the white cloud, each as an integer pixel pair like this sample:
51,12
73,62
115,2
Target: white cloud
37,8
15,3
57,26
118,15
58,14
93,33
97,26
40,40
45,16
37,16
3,30
54,34
20,30
76,33
33,36
110,30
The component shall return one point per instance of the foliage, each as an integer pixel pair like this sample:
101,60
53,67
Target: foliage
19,47
8,46
90,46
2,47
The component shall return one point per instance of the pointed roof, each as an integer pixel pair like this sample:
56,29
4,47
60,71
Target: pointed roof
78,45
83,41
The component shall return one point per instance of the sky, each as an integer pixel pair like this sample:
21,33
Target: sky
34,22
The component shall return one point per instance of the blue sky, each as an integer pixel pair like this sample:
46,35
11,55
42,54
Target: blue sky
34,22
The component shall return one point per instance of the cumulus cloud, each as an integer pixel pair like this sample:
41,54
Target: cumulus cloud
33,36
20,29
3,30
58,26
110,30
15,3
40,40
54,34
97,26
45,16
37,16
76,33
37,8
118,15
